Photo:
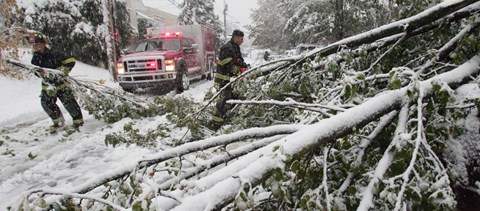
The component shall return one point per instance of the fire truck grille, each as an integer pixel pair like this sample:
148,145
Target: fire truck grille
143,65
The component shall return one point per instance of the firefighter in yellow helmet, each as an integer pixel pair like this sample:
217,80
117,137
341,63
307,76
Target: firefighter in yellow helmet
54,86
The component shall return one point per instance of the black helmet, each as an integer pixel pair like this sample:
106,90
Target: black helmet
37,38
237,32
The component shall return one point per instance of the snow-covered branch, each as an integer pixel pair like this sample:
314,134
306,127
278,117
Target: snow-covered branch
75,195
367,195
186,149
324,181
449,46
323,109
384,122
420,137
326,130
211,163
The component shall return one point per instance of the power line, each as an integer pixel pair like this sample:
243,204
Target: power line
175,3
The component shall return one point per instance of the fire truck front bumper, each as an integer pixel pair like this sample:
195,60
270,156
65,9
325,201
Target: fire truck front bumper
145,80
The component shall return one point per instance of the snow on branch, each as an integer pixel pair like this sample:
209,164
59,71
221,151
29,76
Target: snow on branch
324,181
420,137
384,122
263,68
73,195
219,141
186,149
274,154
233,154
420,23
386,160
424,18
450,46
291,103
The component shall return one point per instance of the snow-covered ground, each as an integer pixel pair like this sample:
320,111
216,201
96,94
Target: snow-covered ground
30,158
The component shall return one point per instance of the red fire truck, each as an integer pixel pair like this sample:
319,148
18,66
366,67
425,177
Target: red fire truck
173,55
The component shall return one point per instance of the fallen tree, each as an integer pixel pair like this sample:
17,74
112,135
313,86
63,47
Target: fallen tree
367,122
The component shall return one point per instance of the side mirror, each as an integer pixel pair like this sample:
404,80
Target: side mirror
192,49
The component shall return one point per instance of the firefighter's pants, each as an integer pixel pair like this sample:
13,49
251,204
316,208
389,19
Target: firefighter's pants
49,104
222,107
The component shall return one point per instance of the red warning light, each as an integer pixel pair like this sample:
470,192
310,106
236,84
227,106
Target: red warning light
171,34
151,64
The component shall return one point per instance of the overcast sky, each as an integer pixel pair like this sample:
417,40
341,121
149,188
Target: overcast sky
238,10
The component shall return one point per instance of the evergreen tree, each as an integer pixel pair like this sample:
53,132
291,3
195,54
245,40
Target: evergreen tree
201,12
77,27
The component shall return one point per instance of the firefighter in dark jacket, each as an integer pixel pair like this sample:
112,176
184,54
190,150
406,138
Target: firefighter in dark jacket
230,64
53,85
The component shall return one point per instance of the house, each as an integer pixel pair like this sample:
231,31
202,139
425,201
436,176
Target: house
153,17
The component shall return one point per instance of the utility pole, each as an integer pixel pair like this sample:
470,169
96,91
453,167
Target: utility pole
116,34
225,19
109,8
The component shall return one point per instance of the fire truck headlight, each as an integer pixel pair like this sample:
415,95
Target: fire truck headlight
120,69
169,65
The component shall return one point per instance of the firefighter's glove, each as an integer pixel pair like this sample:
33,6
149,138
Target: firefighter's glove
51,90
39,72
64,69
253,76
236,70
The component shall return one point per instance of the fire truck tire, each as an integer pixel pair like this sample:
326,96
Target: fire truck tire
182,82
127,89
210,72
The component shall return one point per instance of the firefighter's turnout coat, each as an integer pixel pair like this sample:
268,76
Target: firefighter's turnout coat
54,86
229,63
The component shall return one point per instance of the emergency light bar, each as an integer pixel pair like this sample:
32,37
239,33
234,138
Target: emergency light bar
171,34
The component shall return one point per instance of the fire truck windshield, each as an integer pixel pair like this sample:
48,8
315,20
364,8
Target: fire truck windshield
159,44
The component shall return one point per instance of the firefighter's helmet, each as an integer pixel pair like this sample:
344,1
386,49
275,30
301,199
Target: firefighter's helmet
34,38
